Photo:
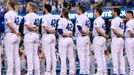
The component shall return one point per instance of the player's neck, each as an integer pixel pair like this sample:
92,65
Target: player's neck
81,13
116,16
10,9
130,18
97,16
47,13
30,11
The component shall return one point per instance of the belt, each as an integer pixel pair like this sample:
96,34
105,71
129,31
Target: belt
100,35
116,37
49,33
66,36
83,35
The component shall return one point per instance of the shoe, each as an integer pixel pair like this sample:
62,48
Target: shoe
114,74
122,74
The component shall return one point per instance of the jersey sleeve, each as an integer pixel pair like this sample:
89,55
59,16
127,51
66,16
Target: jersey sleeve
44,21
96,24
27,20
8,18
129,26
60,23
114,24
79,22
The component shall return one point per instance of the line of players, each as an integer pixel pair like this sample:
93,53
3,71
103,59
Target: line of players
65,41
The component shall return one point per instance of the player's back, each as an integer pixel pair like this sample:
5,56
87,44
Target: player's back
30,19
99,22
10,17
48,20
84,22
129,26
66,25
118,25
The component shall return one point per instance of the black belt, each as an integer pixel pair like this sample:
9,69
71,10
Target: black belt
49,33
66,36
100,35
83,35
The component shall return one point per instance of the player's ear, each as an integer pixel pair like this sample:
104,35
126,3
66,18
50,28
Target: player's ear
61,15
44,11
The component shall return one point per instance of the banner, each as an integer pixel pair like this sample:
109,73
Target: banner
90,13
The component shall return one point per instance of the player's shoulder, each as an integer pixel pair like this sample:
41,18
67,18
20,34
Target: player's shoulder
30,14
98,19
130,21
62,20
47,16
117,19
7,13
69,21
11,13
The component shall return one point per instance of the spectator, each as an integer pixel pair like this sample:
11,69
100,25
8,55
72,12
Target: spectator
23,10
131,3
53,6
60,5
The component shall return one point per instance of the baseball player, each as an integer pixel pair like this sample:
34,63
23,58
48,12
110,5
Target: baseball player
129,41
12,40
49,40
65,28
99,42
117,44
31,39
82,41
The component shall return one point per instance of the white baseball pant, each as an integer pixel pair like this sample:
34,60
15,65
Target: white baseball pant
117,46
31,41
99,47
66,51
83,54
48,45
129,49
11,43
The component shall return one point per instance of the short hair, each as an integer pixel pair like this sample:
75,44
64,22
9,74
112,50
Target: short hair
12,3
117,10
32,5
99,10
48,7
65,12
83,9
130,12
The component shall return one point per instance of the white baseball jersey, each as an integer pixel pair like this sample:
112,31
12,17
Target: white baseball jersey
129,26
48,20
11,17
82,21
31,19
65,25
99,22
118,25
